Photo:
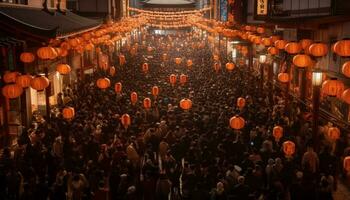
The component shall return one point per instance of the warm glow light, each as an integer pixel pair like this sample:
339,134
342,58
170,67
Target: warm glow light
317,78
262,59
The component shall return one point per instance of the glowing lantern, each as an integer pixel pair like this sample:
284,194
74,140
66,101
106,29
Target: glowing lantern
283,77
147,103
12,91
280,44
333,133
318,49
277,133
24,80
133,98
155,91
39,83
145,67
292,47
74,42
260,30
346,69
46,53
172,79
346,96
346,163
65,45
217,67
112,71
230,66
63,53
63,69
274,38
240,102
68,113
125,120
186,104
27,57
257,40
288,148
189,63
122,59
183,79
178,61
10,77
302,60
103,83
333,88
89,47
342,48
273,51
305,43
237,122
266,42
118,87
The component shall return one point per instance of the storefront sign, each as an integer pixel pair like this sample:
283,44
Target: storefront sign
261,7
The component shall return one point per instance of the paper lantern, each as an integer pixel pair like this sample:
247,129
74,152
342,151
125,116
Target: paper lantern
147,103
266,42
346,69
346,163
12,91
333,87
272,51
133,98
118,87
112,71
186,104
230,66
302,60
305,43
283,77
280,44
63,69
125,120
10,77
277,133
342,48
89,47
333,133
65,45
155,91
318,49
103,83
274,38
288,148
63,53
260,30
46,53
240,102
257,40
27,57
292,47
172,79
183,79
39,83
74,42
68,113
189,63
24,80
237,122
346,96
178,61
145,67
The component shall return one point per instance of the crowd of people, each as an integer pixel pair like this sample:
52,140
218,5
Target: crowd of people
166,152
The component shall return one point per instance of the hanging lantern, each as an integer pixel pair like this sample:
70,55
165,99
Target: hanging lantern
186,104
302,60
145,67
183,79
47,53
147,103
125,120
74,42
24,80
10,77
133,98
283,77
63,53
346,163
155,91
260,30
333,133
217,67
89,47
27,57
257,40
333,87
280,44
346,96
118,87
266,42
68,113
103,83
277,133
346,69
318,49
342,48
272,51
172,79
288,148
230,66
39,83
12,91
112,71
63,69
122,59
305,43
240,102
189,63
65,45
178,61
274,38
292,47
237,122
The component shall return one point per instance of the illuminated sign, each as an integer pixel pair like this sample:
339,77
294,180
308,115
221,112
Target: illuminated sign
261,7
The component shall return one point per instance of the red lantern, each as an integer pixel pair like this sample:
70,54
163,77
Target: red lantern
230,66
318,49
10,77
27,57
118,87
68,113
133,98
302,60
342,48
274,38
155,91
172,79
288,148
333,133
12,91
273,51
305,43
346,69
24,80
237,122
145,67
63,69
183,79
46,53
147,103
240,102
346,96
280,44
292,48
186,104
39,83
103,83
333,87
89,47
266,42
125,120
283,77
260,30
257,40
277,133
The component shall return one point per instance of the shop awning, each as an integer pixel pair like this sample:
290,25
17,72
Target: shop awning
44,24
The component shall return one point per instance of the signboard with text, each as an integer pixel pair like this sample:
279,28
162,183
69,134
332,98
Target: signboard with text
261,9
